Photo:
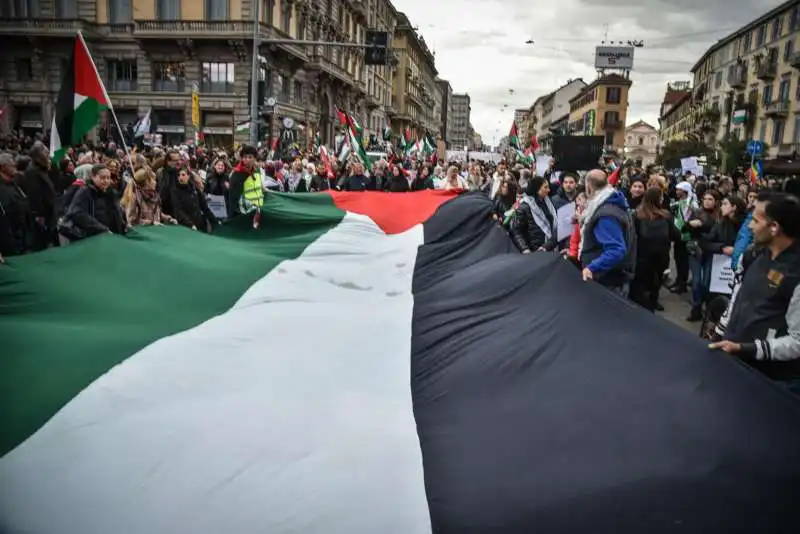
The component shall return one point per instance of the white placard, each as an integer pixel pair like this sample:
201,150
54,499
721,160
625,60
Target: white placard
216,203
721,275
564,223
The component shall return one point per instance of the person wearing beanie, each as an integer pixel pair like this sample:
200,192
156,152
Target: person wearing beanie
534,225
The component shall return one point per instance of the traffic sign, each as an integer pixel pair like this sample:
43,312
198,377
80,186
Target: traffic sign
755,147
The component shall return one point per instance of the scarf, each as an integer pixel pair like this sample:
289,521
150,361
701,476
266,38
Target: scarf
539,216
598,199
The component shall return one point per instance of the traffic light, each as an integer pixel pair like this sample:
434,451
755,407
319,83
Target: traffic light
377,51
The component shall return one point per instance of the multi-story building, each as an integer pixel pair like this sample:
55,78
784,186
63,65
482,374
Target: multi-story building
477,141
676,120
461,120
601,109
536,116
446,91
521,120
743,84
555,106
641,143
675,93
151,54
413,93
381,15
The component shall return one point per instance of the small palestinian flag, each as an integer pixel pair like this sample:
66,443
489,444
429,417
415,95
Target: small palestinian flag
80,101
368,363
513,136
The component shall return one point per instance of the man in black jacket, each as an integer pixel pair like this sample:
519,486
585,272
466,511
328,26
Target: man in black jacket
764,323
41,194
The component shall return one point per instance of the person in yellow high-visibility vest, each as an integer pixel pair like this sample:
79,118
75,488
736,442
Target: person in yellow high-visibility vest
247,185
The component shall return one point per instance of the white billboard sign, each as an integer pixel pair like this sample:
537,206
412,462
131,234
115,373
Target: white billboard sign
613,57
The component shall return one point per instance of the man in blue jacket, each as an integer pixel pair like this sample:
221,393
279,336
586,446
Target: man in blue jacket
608,239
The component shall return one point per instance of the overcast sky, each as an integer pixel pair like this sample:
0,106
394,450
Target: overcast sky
480,46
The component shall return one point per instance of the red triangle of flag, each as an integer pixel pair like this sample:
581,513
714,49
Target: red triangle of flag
87,83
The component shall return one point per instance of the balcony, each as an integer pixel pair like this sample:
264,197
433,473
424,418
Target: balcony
45,27
738,80
359,7
794,60
194,29
299,52
611,124
777,109
321,64
767,71
390,110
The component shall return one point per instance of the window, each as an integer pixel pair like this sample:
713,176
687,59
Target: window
24,68
761,36
794,19
777,28
796,138
613,95
767,95
788,49
609,138
718,80
168,9
746,42
169,77
121,75
783,90
777,131
268,13
641,141
298,92
762,132
286,19
67,9
22,9
610,119
216,9
752,97
217,78
285,88
301,28
120,11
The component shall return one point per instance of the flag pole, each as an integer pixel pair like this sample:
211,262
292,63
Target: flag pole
108,99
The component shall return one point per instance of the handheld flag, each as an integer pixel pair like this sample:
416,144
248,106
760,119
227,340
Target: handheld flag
81,100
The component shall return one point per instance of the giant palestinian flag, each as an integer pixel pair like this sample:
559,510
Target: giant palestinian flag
361,364
81,99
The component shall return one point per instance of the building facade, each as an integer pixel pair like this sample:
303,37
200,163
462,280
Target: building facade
676,120
641,143
746,85
461,121
381,15
446,131
676,93
521,120
413,94
555,106
601,109
152,53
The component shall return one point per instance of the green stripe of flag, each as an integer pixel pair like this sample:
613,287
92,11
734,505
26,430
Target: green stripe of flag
70,314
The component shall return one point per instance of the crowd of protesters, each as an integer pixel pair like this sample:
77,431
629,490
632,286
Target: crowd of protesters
626,227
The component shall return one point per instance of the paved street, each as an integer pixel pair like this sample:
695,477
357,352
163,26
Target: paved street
676,309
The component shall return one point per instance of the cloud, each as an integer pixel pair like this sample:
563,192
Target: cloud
480,46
